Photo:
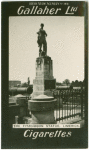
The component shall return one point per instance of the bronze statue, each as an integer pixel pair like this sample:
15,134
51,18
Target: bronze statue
42,41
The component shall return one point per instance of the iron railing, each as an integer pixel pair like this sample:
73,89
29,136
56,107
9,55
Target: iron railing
70,103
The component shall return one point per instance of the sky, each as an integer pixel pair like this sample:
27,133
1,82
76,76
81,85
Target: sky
65,46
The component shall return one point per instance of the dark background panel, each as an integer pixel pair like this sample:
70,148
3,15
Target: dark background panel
16,140
11,8
13,138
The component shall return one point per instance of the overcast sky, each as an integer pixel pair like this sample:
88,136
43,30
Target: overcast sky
65,46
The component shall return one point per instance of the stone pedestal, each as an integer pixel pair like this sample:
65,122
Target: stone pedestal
44,81
14,110
43,103
21,101
42,109
45,117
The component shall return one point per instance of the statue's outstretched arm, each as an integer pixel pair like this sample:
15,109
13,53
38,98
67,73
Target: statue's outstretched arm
38,32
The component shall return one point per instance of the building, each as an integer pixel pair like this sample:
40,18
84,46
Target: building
14,83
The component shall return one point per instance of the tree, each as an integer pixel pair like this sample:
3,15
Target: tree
66,81
77,83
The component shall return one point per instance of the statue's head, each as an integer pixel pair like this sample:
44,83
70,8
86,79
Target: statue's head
42,25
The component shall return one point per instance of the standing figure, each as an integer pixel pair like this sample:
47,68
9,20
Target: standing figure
42,41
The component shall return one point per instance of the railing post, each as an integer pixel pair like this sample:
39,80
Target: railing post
81,103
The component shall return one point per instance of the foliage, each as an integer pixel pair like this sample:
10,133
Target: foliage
67,82
77,83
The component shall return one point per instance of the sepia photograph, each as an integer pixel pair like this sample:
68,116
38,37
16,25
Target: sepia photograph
46,71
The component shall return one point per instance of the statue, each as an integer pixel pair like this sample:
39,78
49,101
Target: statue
42,41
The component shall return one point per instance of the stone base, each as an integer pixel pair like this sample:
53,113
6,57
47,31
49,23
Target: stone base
42,109
47,92
27,120
42,103
21,101
46,117
22,111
